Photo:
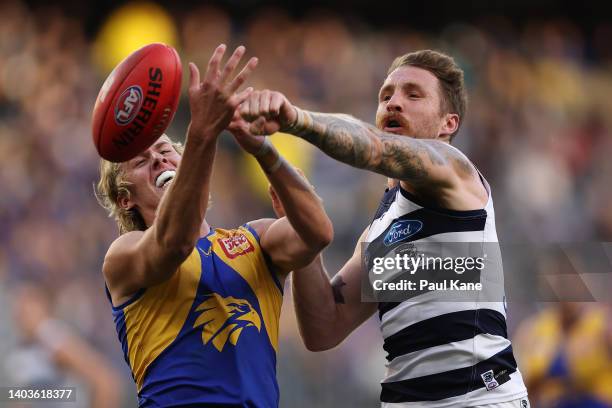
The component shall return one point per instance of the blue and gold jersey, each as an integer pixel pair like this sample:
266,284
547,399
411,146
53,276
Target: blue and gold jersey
208,336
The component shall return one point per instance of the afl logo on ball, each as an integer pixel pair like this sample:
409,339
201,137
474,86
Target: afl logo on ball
128,105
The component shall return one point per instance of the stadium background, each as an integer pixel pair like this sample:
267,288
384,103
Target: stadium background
538,126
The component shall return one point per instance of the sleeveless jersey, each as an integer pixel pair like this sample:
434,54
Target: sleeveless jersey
208,336
444,352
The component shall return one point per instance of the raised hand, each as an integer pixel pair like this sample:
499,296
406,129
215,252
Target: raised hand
240,129
214,100
267,112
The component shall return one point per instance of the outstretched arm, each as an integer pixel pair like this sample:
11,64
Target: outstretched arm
296,238
140,259
421,162
364,146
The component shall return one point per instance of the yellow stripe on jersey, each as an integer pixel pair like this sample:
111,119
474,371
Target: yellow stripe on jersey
247,259
154,320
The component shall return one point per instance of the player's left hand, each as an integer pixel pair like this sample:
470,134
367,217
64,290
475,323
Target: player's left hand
240,129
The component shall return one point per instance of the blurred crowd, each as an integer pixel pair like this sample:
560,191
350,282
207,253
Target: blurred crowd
538,127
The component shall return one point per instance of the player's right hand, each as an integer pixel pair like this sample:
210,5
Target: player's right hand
268,112
214,100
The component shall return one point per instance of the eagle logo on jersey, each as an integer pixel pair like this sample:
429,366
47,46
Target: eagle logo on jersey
224,318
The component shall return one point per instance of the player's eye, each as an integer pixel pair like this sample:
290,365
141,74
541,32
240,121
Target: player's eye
386,98
140,162
165,151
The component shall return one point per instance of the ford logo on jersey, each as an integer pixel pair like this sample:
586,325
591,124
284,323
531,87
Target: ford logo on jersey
401,230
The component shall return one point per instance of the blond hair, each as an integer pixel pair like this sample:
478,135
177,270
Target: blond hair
112,186
452,86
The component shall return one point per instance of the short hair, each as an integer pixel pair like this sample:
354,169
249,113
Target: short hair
452,86
112,186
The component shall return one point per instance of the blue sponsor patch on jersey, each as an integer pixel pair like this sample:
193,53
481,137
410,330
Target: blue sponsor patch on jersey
402,230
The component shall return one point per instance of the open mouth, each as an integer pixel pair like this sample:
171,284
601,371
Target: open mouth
165,178
392,125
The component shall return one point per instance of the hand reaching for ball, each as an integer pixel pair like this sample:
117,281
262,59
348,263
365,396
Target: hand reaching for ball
214,100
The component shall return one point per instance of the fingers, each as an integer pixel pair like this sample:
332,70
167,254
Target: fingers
264,103
243,75
245,107
212,73
275,103
236,116
232,63
194,76
254,110
257,127
241,97
249,109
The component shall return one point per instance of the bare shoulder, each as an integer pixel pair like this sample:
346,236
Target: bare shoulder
363,235
466,175
127,239
455,158
120,247
261,225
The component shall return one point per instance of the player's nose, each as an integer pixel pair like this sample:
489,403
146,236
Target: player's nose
393,105
158,159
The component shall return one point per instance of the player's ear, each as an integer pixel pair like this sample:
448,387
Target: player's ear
125,202
450,124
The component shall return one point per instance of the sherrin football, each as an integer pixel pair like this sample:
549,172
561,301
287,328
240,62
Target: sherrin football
137,102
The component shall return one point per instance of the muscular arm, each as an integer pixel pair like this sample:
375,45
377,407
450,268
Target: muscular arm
328,311
433,169
294,240
141,259
420,162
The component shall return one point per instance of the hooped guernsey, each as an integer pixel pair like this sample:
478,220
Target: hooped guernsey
443,351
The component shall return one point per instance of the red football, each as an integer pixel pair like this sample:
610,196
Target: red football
137,102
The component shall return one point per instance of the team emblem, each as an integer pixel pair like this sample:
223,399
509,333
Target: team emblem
224,318
489,380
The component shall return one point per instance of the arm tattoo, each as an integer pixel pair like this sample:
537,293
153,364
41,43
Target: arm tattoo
364,146
337,283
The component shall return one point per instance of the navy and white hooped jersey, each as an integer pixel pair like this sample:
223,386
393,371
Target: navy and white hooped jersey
445,353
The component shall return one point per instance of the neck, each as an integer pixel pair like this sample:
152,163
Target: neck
204,228
392,183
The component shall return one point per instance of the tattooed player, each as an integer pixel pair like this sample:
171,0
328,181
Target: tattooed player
441,354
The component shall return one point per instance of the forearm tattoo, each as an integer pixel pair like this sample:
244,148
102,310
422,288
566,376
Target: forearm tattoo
364,146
